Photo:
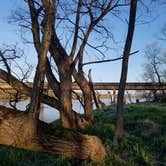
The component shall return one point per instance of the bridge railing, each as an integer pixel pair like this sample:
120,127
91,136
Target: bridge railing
107,86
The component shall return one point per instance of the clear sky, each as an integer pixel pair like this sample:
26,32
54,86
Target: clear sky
107,72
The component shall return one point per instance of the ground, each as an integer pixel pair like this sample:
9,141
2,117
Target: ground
143,144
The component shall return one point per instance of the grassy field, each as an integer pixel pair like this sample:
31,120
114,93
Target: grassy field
143,144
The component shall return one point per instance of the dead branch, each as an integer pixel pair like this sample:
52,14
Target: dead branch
92,89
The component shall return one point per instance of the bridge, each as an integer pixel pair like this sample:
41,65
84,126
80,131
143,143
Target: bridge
106,86
129,86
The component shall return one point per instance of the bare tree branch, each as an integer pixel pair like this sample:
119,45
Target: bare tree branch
92,24
73,49
107,60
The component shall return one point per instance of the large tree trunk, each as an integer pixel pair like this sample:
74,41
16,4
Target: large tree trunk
17,129
124,70
67,114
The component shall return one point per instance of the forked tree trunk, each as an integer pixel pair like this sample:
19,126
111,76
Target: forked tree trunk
17,129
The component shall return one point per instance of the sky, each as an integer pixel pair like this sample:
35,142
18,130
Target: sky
145,33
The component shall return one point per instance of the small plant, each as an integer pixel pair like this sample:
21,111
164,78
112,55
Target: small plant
142,154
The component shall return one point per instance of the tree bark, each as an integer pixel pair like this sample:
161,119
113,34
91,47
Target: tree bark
67,114
17,130
124,70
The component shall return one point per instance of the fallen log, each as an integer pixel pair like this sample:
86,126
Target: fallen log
17,129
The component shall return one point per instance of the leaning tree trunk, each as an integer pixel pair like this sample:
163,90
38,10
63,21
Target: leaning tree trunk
122,84
17,129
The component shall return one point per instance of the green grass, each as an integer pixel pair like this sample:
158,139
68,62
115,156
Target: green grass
143,144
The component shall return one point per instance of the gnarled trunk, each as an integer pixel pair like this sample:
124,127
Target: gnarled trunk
17,129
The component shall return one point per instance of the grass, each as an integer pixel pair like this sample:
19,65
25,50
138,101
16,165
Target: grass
143,144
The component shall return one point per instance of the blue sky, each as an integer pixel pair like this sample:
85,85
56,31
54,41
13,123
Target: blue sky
107,72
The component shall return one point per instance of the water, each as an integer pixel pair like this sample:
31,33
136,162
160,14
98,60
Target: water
50,114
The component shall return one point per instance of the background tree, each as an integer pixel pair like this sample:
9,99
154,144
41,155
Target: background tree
155,67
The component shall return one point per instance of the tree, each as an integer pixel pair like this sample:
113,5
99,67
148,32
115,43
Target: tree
45,16
155,67
124,70
82,20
